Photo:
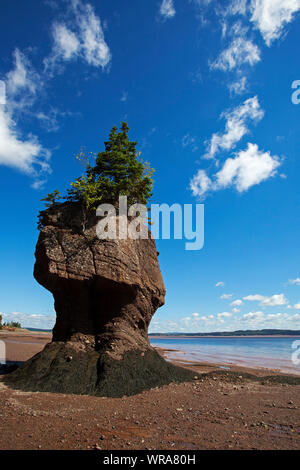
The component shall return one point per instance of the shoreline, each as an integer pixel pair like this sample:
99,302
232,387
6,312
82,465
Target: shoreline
208,366
225,336
21,345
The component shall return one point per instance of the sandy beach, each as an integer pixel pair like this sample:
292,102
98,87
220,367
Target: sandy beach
239,408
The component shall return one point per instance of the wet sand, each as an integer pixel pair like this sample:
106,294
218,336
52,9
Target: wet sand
221,409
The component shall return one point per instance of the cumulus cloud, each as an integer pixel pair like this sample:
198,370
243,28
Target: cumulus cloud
200,184
43,321
236,303
236,126
224,315
81,37
167,9
259,320
248,168
226,296
271,16
274,300
257,316
207,318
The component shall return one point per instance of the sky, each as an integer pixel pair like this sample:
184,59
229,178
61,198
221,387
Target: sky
206,88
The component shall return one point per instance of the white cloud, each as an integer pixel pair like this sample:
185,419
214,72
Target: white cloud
254,298
189,141
195,315
240,52
22,77
42,321
124,96
271,16
277,299
66,43
18,93
248,168
200,184
297,306
236,126
222,316
2,92
220,284
27,155
237,7
236,303
238,29
274,300
238,87
21,84
167,9
295,317
226,296
257,316
83,39
295,281
236,310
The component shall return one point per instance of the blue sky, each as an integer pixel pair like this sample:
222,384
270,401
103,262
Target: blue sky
206,88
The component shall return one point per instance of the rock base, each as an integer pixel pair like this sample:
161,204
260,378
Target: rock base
64,368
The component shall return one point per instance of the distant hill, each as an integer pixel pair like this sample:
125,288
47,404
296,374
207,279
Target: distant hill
216,333
236,333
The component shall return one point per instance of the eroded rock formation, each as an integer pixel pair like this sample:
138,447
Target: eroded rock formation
105,292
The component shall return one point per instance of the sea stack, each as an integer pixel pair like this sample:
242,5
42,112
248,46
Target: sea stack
105,293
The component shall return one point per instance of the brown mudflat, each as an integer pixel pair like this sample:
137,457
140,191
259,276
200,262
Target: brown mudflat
221,410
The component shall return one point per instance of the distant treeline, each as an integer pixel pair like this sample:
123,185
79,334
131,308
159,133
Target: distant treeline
39,329
236,333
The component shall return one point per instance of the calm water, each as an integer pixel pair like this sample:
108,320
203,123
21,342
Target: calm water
269,353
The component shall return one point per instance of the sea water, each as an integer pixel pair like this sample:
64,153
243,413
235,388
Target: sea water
259,352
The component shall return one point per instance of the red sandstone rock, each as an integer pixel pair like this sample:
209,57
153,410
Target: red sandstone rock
106,292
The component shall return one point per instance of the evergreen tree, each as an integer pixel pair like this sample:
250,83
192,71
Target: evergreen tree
117,172
52,198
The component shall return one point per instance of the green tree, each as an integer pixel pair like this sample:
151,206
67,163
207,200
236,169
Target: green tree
52,198
13,324
117,172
